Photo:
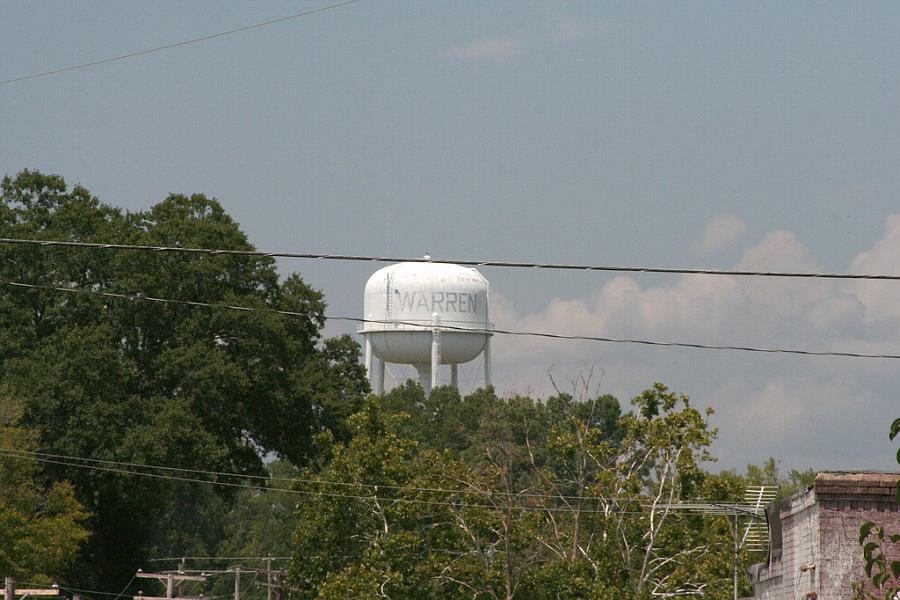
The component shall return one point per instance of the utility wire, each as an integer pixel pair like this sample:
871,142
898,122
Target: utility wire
686,506
440,261
177,44
9,454
374,487
445,326
226,558
124,589
83,592
66,588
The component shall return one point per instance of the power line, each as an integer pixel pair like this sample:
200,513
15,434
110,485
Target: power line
66,588
242,476
305,481
226,558
177,44
83,591
445,326
468,263
124,589
683,506
10,454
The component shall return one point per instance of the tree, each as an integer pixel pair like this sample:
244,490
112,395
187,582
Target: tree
408,522
883,573
531,500
159,384
258,522
788,485
41,526
621,491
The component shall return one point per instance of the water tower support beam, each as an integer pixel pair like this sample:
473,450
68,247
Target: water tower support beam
435,348
454,376
379,379
369,373
487,361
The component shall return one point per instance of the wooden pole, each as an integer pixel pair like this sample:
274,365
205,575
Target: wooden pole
10,589
237,583
181,568
269,577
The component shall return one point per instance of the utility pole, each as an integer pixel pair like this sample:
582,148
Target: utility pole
170,580
181,567
737,549
237,583
274,581
10,592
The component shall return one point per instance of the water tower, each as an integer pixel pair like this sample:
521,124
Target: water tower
425,315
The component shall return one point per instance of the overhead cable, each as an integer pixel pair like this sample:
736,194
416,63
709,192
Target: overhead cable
81,591
441,261
448,327
697,507
305,481
177,44
308,493
226,558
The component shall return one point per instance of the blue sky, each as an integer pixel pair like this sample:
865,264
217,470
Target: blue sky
669,134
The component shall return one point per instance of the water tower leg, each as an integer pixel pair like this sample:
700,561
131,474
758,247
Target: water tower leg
435,354
454,376
379,379
369,373
424,371
487,362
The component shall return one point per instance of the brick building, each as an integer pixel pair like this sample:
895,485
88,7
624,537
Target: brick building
814,551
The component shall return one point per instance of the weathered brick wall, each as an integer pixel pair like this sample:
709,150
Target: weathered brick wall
800,523
769,588
784,579
846,500
821,557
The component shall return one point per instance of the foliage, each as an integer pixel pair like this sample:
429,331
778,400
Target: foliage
41,525
788,485
258,523
401,496
159,384
883,574
561,499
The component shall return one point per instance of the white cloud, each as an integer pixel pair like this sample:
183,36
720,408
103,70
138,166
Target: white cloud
721,232
496,49
884,258
806,411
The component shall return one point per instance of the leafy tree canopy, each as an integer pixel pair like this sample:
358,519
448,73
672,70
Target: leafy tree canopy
148,383
41,524
462,497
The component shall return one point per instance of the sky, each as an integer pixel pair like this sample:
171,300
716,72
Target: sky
723,135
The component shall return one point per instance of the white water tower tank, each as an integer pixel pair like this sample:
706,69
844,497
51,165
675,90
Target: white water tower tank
425,314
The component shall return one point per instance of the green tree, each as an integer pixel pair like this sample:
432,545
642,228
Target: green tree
41,525
883,573
258,522
159,384
408,522
621,490
769,474
530,501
